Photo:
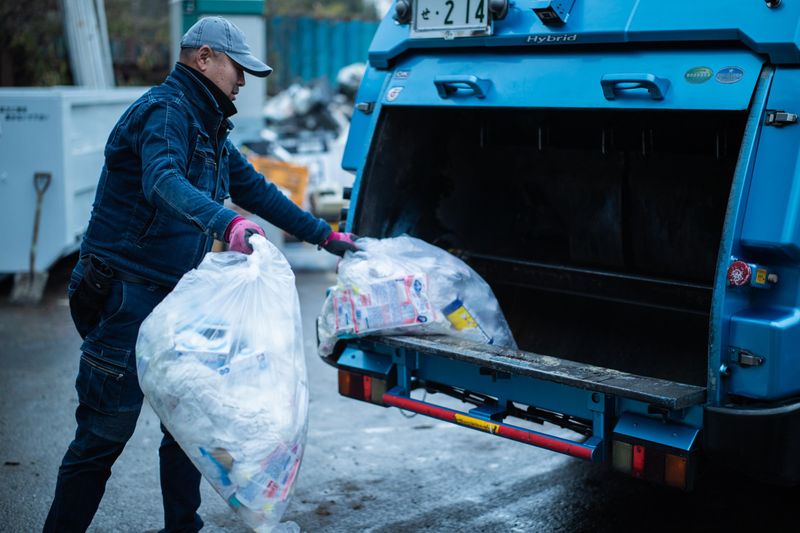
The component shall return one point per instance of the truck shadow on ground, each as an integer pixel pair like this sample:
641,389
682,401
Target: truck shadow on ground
580,497
598,500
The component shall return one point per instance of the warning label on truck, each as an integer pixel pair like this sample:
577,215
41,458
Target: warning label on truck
476,423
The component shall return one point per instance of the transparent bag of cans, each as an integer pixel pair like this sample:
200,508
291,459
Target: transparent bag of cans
406,286
221,362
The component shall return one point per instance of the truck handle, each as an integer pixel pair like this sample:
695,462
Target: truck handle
613,84
589,450
462,85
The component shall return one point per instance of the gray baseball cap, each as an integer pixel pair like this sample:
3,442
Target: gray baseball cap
222,35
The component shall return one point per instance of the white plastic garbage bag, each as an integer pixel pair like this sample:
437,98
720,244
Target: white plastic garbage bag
221,362
403,285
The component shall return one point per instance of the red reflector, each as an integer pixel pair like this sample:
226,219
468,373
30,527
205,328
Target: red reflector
367,387
637,467
361,387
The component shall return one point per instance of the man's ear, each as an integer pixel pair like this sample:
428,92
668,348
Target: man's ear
202,57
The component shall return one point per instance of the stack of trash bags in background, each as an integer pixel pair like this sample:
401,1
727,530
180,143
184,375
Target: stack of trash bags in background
405,286
221,362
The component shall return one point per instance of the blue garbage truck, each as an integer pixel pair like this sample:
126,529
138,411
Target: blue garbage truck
624,174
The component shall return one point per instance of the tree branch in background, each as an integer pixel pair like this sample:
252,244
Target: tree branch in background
32,44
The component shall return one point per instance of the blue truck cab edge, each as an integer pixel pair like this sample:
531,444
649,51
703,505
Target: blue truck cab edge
624,175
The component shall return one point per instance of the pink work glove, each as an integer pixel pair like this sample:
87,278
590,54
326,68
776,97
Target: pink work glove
338,243
238,233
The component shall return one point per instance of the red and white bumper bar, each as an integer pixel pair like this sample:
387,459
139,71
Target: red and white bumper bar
584,450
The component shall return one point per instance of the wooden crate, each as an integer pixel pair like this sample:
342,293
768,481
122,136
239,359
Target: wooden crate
288,176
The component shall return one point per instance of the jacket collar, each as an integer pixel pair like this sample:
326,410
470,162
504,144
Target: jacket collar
225,104
200,96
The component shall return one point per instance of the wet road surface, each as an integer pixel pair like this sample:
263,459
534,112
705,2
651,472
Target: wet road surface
366,468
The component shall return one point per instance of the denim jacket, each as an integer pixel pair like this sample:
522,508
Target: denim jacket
169,166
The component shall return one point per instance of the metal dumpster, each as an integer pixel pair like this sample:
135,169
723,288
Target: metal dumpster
59,134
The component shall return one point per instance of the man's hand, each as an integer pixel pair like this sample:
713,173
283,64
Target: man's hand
238,233
338,243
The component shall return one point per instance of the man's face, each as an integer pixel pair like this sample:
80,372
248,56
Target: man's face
225,74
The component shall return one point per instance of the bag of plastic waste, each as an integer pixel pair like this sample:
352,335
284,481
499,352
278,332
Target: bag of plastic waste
221,362
403,285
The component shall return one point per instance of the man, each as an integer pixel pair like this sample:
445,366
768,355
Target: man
158,209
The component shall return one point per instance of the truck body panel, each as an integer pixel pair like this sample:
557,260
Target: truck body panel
626,182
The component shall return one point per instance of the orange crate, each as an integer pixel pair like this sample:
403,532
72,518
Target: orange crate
288,176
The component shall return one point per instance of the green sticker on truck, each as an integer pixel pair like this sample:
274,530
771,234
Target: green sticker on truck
698,75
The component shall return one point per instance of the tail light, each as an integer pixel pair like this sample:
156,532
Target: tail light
654,462
656,449
365,375
362,387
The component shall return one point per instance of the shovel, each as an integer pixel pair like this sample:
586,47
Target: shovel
29,286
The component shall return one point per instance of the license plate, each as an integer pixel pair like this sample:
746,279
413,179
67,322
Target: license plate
451,18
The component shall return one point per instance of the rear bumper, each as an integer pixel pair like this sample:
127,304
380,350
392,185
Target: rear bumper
762,443
589,450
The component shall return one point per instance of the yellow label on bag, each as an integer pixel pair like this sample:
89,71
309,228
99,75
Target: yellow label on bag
461,319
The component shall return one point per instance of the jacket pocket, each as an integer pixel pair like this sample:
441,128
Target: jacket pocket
202,169
150,228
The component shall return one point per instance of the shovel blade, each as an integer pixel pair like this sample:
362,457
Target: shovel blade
28,289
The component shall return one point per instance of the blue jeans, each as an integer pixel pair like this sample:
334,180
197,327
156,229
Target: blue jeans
109,404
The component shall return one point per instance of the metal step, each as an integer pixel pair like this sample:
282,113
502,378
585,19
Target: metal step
659,392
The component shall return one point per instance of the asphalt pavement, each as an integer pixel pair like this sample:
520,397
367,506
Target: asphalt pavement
366,468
